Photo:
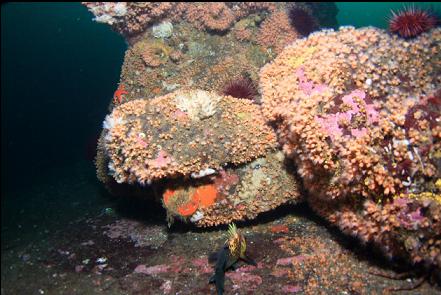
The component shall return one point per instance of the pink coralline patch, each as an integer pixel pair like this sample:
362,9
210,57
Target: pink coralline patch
349,100
280,272
346,117
359,132
372,114
152,270
308,86
223,181
401,201
416,215
411,220
320,88
202,265
162,160
200,262
247,268
291,289
240,278
290,260
329,125
284,261
180,115
176,266
142,142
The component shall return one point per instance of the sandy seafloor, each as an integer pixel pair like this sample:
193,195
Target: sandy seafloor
77,246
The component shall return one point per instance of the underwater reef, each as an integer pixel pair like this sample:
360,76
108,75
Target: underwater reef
363,126
346,120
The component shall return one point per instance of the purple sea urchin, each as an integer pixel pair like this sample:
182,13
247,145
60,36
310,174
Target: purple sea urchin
411,22
301,20
241,88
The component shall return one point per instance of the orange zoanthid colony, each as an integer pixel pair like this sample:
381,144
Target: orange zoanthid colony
359,112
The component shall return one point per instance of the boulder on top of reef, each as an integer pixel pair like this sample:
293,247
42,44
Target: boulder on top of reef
184,133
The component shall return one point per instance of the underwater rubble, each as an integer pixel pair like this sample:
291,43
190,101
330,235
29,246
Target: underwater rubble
345,120
98,255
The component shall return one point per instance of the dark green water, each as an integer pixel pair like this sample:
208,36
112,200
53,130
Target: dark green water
375,14
58,73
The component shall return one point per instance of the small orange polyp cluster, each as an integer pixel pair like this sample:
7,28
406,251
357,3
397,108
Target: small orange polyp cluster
117,96
206,195
188,208
167,195
188,202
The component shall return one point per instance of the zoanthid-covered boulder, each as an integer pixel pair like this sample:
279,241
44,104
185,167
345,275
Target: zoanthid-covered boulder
212,157
359,112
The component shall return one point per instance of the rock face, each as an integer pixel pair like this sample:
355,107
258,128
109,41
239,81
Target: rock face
356,110
133,18
359,113
235,193
215,153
